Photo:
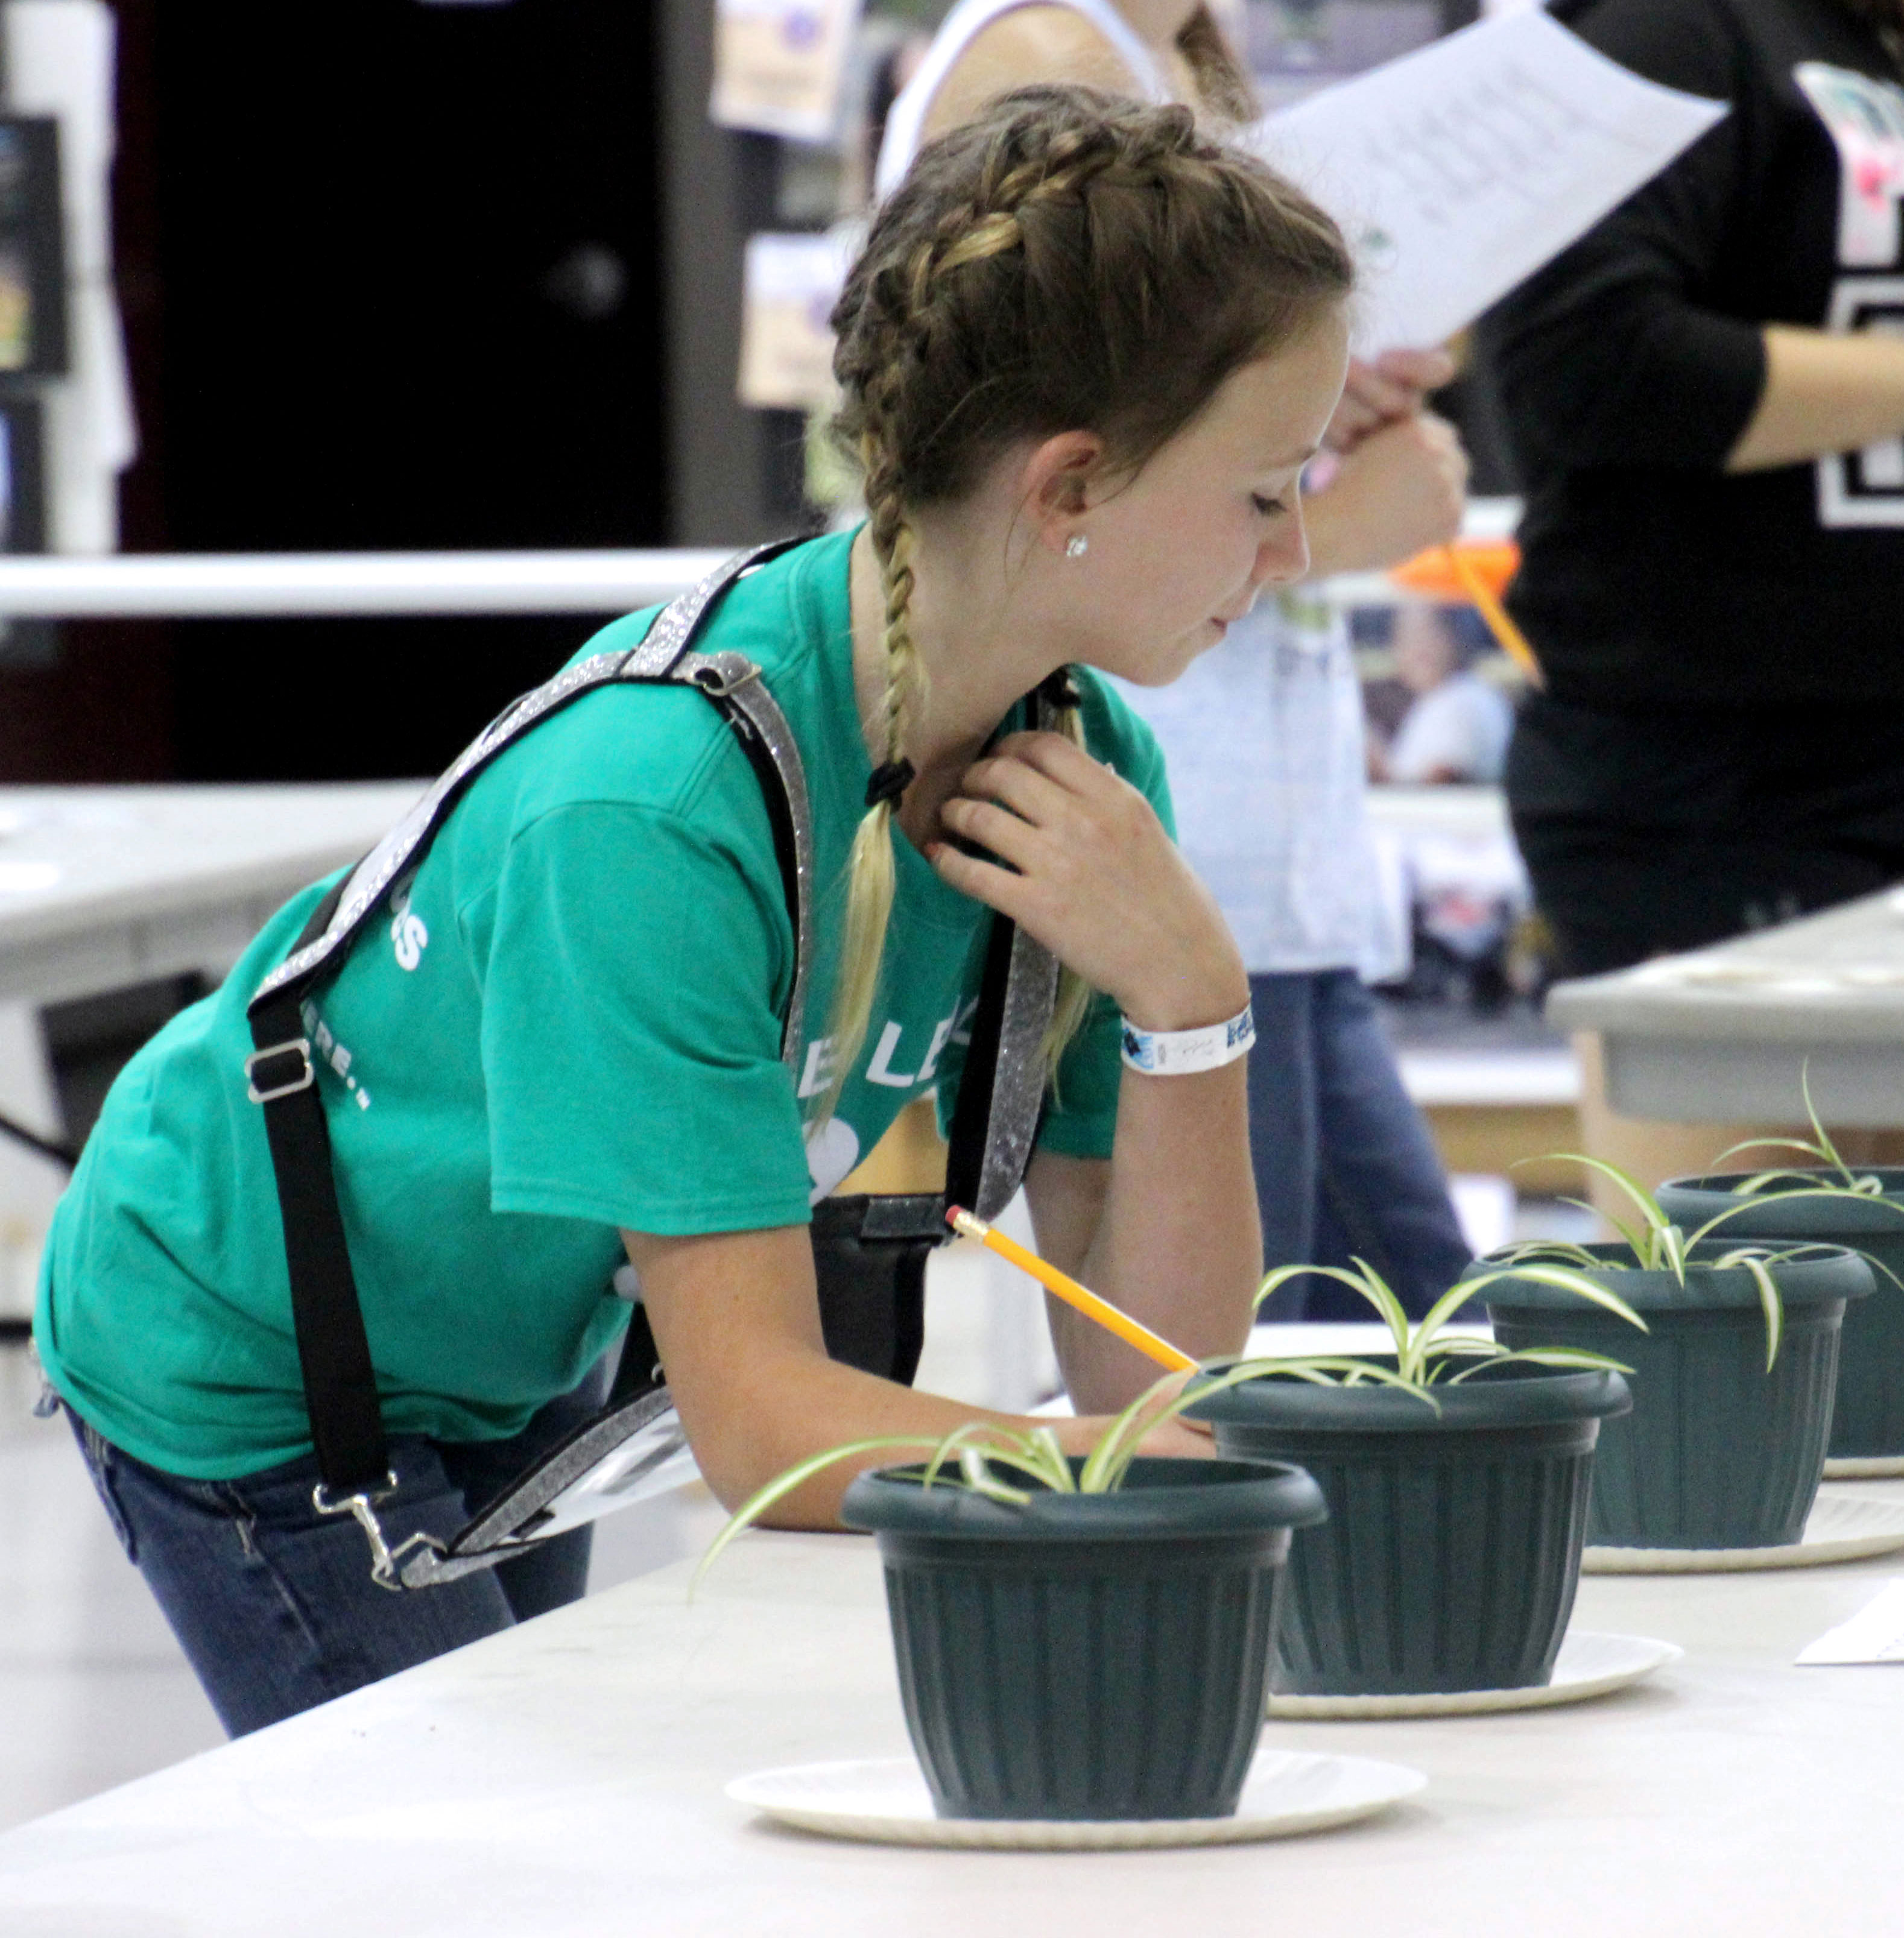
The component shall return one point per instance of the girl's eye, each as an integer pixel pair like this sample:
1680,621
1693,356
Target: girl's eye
1267,508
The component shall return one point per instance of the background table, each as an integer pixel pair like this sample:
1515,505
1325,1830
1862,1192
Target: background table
566,1778
105,887
101,887
1721,1034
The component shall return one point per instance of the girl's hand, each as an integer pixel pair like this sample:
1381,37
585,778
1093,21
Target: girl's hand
1399,490
1394,386
1085,866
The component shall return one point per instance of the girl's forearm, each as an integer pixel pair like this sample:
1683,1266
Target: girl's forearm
1178,1244
1824,392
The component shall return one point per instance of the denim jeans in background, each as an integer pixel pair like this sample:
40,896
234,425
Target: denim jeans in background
273,1602
1345,1166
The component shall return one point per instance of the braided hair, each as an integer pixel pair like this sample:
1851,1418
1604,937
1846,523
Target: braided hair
1067,261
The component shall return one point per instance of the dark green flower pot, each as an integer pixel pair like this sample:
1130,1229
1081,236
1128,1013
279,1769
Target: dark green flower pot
1453,1547
1867,1419
1086,1655
1716,1452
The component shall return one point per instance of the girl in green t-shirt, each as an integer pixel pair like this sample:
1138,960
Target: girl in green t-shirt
1083,358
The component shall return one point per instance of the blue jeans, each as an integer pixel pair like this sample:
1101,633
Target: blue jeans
273,1603
1345,1167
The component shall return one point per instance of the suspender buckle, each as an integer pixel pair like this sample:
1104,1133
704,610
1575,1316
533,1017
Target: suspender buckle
285,1078
719,674
386,1562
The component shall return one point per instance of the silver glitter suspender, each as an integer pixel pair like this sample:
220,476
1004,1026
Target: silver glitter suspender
728,678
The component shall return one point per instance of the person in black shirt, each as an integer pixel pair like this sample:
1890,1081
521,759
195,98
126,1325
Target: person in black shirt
1705,399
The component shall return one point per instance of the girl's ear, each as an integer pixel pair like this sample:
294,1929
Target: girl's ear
1056,485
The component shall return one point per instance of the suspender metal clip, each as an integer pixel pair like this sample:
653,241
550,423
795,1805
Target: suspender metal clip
386,1562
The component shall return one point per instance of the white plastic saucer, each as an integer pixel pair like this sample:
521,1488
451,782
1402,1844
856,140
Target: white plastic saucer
1588,1665
886,1802
1843,1527
1866,1467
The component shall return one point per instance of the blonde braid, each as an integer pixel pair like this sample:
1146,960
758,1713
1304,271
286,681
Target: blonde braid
871,873
966,235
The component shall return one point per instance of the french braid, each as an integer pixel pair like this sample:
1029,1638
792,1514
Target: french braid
1067,261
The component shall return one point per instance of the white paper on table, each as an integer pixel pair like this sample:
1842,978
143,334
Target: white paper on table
1875,1634
1458,170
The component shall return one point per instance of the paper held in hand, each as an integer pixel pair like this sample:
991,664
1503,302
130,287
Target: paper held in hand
1458,170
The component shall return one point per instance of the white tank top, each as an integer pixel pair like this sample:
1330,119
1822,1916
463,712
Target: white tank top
906,122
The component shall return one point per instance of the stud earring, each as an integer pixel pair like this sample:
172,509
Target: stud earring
1076,546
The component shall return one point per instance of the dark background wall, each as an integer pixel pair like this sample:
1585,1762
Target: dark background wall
391,276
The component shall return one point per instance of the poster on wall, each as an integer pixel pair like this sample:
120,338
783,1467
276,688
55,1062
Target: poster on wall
778,64
790,286
23,642
32,253
1295,46
23,490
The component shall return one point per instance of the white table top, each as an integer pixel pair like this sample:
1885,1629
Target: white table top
1834,977
101,887
566,1777
1723,1033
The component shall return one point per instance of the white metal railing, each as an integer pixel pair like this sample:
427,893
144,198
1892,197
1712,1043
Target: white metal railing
284,585
214,585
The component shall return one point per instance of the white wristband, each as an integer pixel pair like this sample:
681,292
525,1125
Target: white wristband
1184,1053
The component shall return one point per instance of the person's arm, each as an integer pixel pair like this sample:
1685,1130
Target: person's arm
1822,394
736,1318
1400,490
1168,1228
1393,385
1619,352
1156,1230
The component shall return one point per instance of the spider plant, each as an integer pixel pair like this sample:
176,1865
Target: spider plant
1819,1146
1657,1244
978,1455
981,1454
1424,1352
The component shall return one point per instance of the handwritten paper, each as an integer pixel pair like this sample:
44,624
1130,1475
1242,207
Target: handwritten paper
1875,1634
1458,170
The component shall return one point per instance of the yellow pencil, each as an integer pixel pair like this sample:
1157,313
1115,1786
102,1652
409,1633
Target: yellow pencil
1131,1331
1511,639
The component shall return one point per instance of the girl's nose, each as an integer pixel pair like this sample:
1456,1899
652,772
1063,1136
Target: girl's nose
1283,556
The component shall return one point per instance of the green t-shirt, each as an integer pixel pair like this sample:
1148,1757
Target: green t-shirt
568,1021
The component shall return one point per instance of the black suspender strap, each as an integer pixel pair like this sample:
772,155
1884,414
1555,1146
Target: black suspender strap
340,1388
